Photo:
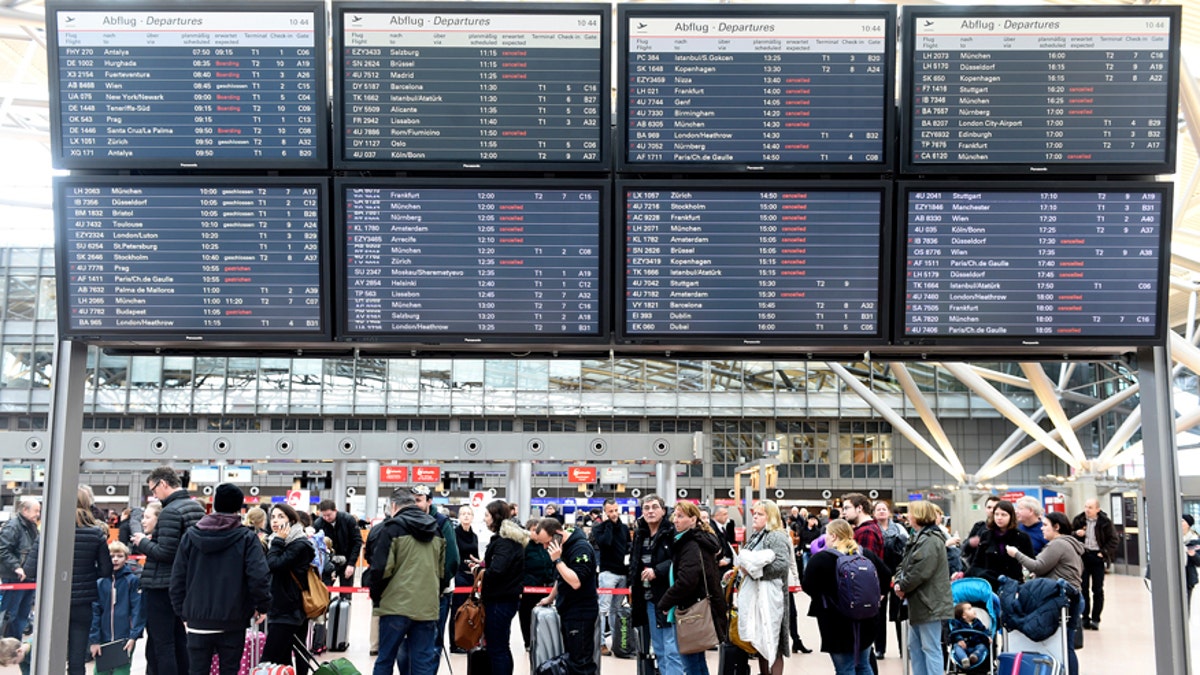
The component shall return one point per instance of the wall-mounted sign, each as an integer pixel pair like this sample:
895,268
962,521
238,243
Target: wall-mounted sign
581,474
393,474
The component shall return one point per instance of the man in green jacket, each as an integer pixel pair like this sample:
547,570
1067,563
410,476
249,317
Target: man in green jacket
410,552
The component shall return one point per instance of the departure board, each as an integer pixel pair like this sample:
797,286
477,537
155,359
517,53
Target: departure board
464,264
472,85
746,266
167,86
191,259
1081,264
728,88
1072,92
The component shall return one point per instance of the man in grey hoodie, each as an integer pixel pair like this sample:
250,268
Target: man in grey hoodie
219,549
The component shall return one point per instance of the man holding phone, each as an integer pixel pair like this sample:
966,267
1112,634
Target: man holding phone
575,594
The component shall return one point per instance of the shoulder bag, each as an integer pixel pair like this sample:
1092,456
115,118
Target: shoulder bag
315,598
735,636
468,620
694,629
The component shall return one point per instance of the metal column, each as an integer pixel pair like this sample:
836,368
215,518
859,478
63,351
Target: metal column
665,482
339,485
1162,526
58,508
524,494
372,489
512,486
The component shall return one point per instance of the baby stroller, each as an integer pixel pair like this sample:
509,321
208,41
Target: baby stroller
979,593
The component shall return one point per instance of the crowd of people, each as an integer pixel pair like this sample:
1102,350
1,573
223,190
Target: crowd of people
668,559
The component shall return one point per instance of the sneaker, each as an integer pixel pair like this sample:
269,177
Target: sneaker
605,651
965,663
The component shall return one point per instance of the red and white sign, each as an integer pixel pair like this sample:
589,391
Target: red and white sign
1012,496
393,474
298,499
478,499
427,474
581,474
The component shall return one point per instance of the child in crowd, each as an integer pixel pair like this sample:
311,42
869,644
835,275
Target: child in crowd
969,649
118,614
13,652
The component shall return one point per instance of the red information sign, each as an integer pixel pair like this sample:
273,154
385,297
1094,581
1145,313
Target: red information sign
581,474
393,474
427,474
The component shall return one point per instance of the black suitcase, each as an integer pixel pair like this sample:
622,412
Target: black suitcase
733,660
478,662
624,638
647,665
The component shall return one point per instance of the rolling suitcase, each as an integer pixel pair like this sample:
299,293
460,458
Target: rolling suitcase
339,666
545,636
733,660
337,624
1028,663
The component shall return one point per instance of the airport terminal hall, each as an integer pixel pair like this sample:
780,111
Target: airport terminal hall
345,337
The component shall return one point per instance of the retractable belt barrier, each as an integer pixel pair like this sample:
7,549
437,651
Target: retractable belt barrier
528,590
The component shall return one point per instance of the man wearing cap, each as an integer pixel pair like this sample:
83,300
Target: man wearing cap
445,528
407,566
219,548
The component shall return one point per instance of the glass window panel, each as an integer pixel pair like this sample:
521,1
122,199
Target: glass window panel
18,366
21,302
338,393
47,310
499,374
564,374
24,257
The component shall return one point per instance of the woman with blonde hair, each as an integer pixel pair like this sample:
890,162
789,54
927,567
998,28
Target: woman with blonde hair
763,596
924,580
695,576
847,641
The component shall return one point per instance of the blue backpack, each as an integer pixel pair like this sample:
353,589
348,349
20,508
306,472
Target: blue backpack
857,586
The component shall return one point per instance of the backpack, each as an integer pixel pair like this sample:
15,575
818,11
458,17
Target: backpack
857,587
321,558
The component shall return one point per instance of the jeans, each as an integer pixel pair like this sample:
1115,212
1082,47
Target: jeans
419,636
979,651
579,642
844,664
666,649
695,664
609,580
925,646
79,625
16,606
497,631
439,640
227,646
165,631
1093,585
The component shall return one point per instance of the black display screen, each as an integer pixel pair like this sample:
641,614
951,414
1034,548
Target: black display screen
471,85
191,259
778,90
1035,264
1073,92
158,86
473,263
746,266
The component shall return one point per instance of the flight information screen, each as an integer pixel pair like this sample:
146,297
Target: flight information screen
1037,263
472,263
463,85
750,265
191,258
160,87
1068,91
757,90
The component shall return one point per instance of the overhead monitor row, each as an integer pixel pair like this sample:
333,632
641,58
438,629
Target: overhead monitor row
699,88
684,264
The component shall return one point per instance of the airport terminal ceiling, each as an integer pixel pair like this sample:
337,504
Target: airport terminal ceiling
1077,388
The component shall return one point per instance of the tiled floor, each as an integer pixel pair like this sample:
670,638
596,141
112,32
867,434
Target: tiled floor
1123,645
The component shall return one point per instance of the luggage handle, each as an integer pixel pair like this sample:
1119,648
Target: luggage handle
300,648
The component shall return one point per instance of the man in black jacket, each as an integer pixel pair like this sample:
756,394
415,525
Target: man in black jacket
219,548
611,537
1095,529
19,540
574,595
165,632
342,529
650,576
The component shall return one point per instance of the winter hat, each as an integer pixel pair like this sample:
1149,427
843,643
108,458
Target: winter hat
228,498
1189,519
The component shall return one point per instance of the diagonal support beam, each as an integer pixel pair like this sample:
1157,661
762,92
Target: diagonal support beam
977,384
1044,389
909,386
894,418
1010,444
1183,351
1085,417
1182,424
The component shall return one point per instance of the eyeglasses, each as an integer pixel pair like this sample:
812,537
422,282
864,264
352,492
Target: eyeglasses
150,487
